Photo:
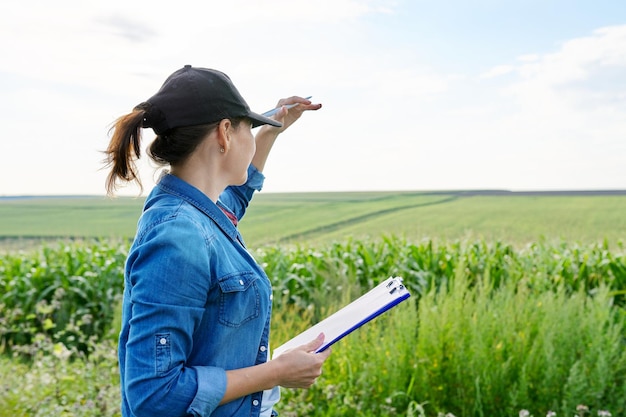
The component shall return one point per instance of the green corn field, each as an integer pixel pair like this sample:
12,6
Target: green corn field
494,327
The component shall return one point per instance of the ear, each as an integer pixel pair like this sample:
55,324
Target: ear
223,134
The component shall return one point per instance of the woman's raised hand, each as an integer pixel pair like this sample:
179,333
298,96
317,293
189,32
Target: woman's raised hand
289,115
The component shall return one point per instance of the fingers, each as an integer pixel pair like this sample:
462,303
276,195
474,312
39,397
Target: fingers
293,100
301,366
290,110
289,113
298,104
325,354
314,344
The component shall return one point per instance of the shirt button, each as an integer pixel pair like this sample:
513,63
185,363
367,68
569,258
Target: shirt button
263,348
240,282
255,403
163,341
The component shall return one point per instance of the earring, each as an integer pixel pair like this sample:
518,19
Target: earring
221,150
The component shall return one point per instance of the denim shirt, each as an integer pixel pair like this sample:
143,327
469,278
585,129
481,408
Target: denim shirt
196,304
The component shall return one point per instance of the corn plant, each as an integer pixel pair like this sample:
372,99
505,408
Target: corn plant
69,292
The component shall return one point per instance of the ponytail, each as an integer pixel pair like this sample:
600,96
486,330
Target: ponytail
170,147
124,149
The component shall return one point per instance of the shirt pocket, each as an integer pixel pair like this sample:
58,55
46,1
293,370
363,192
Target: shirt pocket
239,299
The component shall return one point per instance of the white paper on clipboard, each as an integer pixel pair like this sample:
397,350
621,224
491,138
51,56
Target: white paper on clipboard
378,300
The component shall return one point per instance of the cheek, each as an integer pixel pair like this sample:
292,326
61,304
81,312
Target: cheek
252,144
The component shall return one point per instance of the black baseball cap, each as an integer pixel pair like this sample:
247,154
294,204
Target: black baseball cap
196,96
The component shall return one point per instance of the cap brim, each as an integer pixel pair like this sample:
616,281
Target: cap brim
258,120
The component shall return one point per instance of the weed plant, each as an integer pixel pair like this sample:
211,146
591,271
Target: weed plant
58,381
471,349
485,351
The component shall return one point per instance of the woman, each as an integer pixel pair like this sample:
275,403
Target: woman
196,310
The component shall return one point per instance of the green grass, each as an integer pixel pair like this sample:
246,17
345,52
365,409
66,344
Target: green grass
282,218
488,351
77,217
522,219
321,218
515,219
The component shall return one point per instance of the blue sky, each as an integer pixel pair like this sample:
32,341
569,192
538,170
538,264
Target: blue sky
417,95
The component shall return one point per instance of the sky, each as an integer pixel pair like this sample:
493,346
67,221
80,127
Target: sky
417,95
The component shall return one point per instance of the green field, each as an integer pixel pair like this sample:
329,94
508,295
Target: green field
314,218
517,303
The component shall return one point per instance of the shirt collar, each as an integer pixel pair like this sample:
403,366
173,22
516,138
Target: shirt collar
182,189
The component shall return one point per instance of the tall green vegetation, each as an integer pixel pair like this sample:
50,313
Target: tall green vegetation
69,293
494,331
485,351
491,329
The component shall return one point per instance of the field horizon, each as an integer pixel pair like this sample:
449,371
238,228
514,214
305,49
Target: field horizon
516,217
468,192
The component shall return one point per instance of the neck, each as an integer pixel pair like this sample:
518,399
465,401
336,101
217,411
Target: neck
202,174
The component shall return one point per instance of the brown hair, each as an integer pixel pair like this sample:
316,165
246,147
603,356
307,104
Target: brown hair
169,148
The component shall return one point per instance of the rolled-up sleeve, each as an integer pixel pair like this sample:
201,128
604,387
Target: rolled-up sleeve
204,402
168,296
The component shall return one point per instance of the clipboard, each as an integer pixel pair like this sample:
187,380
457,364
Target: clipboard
335,327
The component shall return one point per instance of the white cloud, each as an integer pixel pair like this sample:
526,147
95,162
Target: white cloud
498,71
578,58
565,113
391,118
528,58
